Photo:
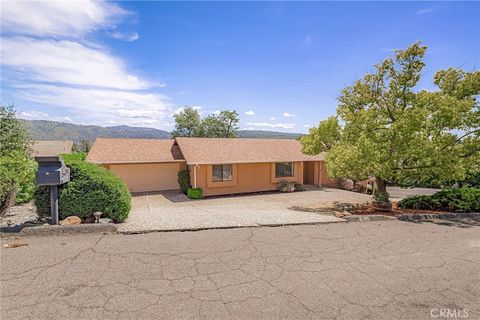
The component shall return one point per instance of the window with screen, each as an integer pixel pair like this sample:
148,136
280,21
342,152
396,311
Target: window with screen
283,169
222,172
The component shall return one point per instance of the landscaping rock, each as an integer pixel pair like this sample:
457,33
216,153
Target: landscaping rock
339,214
70,221
105,220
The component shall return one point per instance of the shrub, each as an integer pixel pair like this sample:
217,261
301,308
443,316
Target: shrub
299,187
286,186
195,193
91,188
453,200
76,156
183,180
17,179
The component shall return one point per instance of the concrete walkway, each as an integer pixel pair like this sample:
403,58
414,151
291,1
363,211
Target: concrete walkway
173,211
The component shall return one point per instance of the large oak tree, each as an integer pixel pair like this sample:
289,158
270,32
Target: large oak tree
386,128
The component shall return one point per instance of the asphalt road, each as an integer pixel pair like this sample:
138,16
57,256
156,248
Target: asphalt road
364,270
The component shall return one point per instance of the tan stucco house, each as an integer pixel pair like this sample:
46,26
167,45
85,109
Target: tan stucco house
218,166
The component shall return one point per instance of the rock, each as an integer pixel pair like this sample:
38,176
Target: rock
70,221
90,219
105,220
339,214
346,213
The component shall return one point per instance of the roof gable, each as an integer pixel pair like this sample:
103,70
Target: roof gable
114,150
45,148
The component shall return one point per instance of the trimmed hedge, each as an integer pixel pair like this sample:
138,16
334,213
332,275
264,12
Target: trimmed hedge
452,200
91,188
195,193
183,180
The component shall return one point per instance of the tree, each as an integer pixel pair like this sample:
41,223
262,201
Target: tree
17,168
188,123
223,125
386,129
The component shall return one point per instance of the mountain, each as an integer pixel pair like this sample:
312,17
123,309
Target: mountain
257,134
53,130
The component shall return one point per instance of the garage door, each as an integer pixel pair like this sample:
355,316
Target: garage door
148,176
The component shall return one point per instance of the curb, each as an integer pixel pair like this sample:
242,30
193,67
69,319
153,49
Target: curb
48,230
442,216
373,217
228,227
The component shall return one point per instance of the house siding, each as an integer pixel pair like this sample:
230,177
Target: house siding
247,177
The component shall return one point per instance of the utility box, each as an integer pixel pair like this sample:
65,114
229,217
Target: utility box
52,171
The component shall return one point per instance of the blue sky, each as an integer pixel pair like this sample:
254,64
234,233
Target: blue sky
279,64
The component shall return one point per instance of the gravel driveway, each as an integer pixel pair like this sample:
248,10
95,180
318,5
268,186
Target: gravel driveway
173,211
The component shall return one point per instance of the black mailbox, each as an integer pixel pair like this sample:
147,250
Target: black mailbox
52,171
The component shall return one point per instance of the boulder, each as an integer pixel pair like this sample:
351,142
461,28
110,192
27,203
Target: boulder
105,220
70,221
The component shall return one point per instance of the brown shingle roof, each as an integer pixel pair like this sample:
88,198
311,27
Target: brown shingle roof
44,148
110,150
228,150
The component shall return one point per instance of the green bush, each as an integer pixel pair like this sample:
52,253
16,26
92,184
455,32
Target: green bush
195,193
75,156
91,188
452,200
183,180
286,186
299,187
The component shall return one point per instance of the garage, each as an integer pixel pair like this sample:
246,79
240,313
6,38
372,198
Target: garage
144,164
148,176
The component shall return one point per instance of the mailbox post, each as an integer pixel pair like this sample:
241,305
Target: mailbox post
52,172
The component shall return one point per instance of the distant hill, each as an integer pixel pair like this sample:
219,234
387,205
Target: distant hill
267,134
53,130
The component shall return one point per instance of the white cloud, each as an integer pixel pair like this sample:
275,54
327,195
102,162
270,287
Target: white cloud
67,62
272,125
272,118
39,115
287,114
217,112
178,110
306,126
250,113
425,11
59,18
47,60
132,36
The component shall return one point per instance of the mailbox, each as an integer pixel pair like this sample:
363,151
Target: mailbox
52,171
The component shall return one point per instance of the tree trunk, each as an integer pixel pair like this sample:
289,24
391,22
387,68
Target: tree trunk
381,187
8,201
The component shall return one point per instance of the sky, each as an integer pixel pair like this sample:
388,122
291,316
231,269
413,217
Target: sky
280,65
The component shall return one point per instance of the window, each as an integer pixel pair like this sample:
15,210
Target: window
283,169
222,172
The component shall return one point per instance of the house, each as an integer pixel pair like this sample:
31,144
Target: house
44,148
217,165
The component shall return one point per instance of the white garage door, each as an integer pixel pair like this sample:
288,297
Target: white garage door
148,176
